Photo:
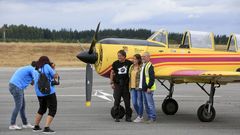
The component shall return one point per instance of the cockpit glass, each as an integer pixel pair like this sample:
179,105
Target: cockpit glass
201,39
238,40
159,37
232,45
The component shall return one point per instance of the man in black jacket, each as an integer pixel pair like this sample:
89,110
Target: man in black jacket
147,83
120,83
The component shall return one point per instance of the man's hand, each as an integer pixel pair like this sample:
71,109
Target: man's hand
148,90
112,85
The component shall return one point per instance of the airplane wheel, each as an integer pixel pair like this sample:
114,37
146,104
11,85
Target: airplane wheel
170,106
203,114
114,112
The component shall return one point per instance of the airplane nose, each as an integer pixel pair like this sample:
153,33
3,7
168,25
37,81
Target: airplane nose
88,58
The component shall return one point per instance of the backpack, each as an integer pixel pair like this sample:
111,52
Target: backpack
43,83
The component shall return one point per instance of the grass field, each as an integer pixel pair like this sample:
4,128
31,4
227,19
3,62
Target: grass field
19,54
63,54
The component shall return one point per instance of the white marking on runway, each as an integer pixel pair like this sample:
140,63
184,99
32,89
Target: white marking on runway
103,95
109,97
58,69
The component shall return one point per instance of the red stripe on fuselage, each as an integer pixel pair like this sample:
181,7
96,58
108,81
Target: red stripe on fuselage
162,60
195,59
195,55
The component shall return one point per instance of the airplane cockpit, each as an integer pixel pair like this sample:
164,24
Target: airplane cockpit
191,39
197,39
160,37
233,43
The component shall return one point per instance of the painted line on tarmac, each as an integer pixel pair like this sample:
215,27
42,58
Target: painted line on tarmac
109,97
58,69
104,95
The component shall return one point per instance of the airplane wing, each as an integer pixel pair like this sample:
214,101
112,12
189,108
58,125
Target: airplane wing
186,75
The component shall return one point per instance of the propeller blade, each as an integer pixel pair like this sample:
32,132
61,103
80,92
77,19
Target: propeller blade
89,80
94,40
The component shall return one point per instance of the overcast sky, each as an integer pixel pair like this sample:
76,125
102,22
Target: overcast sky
218,16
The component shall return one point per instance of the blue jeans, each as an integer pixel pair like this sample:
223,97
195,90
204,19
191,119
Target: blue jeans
18,95
137,101
149,105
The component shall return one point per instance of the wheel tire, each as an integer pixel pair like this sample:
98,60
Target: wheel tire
170,106
203,114
114,112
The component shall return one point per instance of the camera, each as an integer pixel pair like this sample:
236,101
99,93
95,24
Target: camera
56,82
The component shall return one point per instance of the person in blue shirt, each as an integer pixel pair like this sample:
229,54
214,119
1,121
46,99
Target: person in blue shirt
46,101
17,84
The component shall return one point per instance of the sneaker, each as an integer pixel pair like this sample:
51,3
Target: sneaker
14,127
128,120
28,126
36,129
138,119
47,130
117,120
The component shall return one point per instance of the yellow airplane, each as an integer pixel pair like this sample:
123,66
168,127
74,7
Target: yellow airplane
193,61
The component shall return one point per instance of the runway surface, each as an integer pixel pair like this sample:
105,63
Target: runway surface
74,118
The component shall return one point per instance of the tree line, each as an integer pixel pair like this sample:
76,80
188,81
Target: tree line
24,33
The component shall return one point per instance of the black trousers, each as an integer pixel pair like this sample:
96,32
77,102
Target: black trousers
48,102
122,91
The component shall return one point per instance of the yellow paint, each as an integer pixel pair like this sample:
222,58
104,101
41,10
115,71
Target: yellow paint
88,103
107,54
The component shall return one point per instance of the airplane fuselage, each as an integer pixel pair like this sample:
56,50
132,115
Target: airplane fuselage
161,56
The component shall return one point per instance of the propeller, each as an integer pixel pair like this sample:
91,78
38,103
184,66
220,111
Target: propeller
88,85
89,57
94,40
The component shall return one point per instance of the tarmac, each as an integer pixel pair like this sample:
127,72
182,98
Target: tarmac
74,118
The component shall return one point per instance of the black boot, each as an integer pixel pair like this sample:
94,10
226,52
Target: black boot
128,119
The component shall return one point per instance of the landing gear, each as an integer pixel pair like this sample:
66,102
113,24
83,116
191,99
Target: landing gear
206,112
169,105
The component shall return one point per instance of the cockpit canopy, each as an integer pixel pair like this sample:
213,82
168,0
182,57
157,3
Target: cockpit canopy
191,39
197,39
233,43
201,39
160,36
238,40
